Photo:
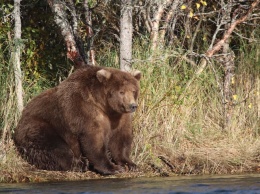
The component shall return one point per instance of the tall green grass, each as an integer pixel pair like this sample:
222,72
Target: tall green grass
8,112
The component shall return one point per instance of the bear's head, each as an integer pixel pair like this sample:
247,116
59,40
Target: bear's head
121,89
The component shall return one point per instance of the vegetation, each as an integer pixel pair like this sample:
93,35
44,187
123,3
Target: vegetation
181,124
185,124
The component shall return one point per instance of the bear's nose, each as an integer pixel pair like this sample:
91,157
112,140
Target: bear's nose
133,107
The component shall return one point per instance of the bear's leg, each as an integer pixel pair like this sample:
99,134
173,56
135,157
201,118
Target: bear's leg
121,153
94,148
120,146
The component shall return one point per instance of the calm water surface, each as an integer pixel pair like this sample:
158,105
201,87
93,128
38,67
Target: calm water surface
248,184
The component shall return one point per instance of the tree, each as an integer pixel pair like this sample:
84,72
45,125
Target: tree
228,56
161,16
15,56
126,31
69,20
201,24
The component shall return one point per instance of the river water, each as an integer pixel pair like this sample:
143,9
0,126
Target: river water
246,184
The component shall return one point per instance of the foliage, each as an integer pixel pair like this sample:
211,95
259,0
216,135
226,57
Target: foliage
184,125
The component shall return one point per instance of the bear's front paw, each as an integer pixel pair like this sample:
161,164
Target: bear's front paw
119,169
111,170
131,166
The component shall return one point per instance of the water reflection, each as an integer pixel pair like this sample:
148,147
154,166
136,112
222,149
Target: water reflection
248,184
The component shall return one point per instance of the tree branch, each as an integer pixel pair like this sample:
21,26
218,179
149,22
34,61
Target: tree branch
220,43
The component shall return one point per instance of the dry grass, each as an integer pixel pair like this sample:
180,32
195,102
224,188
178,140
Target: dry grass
185,125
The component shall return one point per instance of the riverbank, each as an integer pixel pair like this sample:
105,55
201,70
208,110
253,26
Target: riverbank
15,170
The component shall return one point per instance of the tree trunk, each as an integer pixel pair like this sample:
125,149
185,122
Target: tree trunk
229,67
15,56
157,17
75,49
155,26
258,88
90,33
171,13
126,31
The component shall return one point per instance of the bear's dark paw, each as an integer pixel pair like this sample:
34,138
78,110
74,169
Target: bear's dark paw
131,166
80,165
109,172
127,164
113,169
118,169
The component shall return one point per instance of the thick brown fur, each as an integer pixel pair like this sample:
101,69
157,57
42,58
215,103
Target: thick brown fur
82,119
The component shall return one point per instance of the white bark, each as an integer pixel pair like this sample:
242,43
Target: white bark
90,34
68,31
168,18
16,53
126,31
157,17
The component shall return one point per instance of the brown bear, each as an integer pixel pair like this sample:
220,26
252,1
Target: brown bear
87,117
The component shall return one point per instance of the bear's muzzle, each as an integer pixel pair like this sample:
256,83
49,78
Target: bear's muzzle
133,107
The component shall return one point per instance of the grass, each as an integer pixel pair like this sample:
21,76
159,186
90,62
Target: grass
188,132
178,130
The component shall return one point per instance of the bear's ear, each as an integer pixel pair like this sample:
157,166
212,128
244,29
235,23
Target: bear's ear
103,75
137,74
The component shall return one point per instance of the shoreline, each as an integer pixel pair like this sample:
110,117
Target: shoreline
13,169
29,174
49,176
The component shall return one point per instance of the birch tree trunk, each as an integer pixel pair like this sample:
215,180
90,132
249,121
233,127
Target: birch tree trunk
229,67
75,50
15,55
126,31
155,23
90,34
155,26
171,13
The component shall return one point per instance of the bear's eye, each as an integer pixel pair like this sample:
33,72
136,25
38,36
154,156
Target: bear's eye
122,92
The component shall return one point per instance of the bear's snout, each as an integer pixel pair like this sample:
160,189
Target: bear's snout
133,107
